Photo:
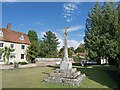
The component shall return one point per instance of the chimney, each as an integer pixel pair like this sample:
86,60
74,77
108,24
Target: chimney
9,26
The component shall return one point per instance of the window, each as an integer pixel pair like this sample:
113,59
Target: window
22,46
21,37
12,45
1,44
1,33
22,56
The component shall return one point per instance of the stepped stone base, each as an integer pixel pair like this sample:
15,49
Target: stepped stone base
71,77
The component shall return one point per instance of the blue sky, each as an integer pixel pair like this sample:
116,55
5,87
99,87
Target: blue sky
53,16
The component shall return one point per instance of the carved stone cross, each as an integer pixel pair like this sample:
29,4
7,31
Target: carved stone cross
65,64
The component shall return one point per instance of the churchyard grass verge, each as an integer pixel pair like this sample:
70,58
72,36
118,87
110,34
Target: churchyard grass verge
96,77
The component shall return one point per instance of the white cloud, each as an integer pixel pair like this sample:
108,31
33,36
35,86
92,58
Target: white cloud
42,34
61,43
39,23
73,43
81,35
75,28
21,24
70,10
8,0
82,42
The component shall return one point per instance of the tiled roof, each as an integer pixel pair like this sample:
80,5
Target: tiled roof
13,36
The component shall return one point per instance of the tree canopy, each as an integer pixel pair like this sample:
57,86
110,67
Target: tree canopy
101,26
33,49
48,45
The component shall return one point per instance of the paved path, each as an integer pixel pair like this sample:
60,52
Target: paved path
4,67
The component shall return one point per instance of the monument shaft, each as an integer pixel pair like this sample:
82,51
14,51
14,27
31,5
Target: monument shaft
66,64
65,45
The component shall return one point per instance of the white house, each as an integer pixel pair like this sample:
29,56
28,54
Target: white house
15,40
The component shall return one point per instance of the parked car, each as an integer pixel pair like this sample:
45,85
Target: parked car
91,62
88,62
58,62
83,62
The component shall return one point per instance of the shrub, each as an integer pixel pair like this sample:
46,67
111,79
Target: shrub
22,63
10,63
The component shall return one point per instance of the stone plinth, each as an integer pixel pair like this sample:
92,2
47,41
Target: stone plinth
65,65
70,77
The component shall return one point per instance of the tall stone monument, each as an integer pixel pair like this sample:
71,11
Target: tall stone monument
66,64
66,74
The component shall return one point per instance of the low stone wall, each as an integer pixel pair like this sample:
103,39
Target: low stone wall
48,59
46,63
52,59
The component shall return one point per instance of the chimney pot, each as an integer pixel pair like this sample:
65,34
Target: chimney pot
9,26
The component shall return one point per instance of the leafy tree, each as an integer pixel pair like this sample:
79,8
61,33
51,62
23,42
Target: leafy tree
1,50
32,52
101,26
61,52
33,49
42,49
118,32
70,52
32,36
81,48
48,45
6,54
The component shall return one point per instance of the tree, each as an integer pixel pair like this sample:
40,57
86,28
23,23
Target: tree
6,54
1,50
33,49
50,44
70,52
61,52
101,26
81,48
93,26
42,49
118,33
32,35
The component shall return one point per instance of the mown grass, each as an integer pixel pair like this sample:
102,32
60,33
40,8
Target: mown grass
96,77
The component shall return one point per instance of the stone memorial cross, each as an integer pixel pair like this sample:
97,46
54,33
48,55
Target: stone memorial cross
66,64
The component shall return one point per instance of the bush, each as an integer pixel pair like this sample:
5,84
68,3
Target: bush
76,59
22,63
11,63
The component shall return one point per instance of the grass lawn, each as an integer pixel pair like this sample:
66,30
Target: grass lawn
32,77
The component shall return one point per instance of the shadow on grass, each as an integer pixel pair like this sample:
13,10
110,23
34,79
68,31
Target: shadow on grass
53,67
100,74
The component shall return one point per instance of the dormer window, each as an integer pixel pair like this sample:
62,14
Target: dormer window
21,37
1,34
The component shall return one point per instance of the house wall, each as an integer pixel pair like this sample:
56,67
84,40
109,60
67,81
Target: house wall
18,51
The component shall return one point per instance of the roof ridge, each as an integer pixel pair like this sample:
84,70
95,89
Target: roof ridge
14,36
14,31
